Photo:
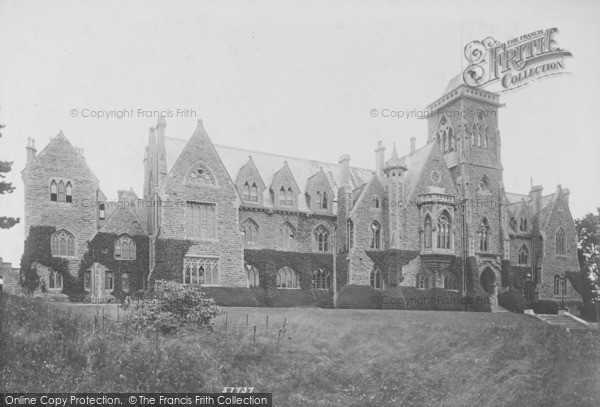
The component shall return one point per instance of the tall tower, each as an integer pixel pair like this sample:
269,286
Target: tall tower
464,121
393,173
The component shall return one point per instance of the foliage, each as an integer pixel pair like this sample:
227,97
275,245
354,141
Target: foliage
412,298
170,307
512,300
37,250
588,251
545,307
359,297
236,296
589,311
6,188
476,299
388,261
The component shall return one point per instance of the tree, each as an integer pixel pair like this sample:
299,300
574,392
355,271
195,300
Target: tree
6,188
588,252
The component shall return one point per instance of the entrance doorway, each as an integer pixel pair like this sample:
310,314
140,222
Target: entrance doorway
488,280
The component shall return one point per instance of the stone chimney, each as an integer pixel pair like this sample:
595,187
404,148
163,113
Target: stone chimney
31,151
566,192
379,159
161,152
536,199
413,141
344,162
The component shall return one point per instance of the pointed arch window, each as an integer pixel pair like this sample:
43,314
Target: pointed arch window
474,135
56,280
444,227
253,276
285,237
376,278
484,235
254,192
201,270
125,286
557,284
325,204
246,192
484,184
69,193
318,201
62,244
53,191
287,278
321,239
282,196
427,233
422,281
250,233
109,281
289,197
446,134
350,233
451,139
125,248
61,191
322,279
375,230
523,256
560,242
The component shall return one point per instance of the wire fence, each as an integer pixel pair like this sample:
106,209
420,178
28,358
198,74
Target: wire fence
266,329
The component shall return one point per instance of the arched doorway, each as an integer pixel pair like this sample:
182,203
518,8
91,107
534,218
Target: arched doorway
488,280
528,291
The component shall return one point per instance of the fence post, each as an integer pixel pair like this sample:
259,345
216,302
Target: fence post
284,321
246,319
225,322
156,336
254,341
118,314
267,328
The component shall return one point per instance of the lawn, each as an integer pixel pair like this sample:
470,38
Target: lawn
326,358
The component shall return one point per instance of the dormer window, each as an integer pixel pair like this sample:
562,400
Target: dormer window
254,192
246,192
523,225
325,201
289,200
318,202
282,196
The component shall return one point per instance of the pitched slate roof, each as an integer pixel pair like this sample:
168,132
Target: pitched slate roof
414,163
269,164
123,220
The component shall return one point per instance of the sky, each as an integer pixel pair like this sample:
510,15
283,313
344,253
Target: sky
292,78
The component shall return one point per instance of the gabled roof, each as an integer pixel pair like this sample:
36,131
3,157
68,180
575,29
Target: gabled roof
123,220
61,138
250,166
310,183
415,163
282,172
268,164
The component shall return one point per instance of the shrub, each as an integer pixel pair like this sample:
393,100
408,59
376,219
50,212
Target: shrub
354,296
545,307
301,298
477,300
171,306
236,296
588,311
512,300
411,298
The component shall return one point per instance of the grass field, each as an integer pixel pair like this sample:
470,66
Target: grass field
327,358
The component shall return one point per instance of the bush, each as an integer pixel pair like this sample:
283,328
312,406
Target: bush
545,307
300,298
588,311
512,300
412,298
477,300
236,296
171,306
354,296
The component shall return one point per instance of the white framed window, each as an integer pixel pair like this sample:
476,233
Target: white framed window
376,278
253,276
422,281
321,239
201,270
444,230
56,280
523,256
287,278
286,239
250,233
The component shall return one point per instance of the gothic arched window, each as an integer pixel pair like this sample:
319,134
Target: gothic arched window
53,191
125,248
375,231
484,235
69,193
325,204
444,227
376,278
450,282
61,191
250,233
55,280
560,242
282,196
557,284
484,184
523,256
62,244
289,200
322,279
321,236
285,237
427,232
318,202
446,135
254,192
253,277
246,192
287,278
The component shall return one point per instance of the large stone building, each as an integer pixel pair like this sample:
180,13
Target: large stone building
223,216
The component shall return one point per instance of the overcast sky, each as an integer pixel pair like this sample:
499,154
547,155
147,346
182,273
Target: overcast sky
292,78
